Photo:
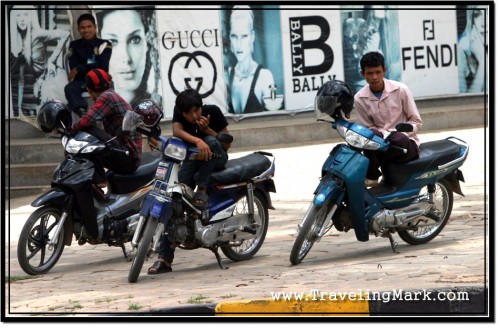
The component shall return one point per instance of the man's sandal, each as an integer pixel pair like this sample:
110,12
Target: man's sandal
159,267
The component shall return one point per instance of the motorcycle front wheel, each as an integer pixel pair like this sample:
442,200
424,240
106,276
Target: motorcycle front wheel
309,233
145,245
35,254
443,205
246,249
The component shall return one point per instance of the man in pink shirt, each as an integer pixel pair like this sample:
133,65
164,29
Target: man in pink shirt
380,106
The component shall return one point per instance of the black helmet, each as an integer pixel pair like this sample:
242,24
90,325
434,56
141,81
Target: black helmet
54,114
333,97
150,111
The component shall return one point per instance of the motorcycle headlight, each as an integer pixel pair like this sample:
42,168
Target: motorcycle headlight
176,152
72,146
356,140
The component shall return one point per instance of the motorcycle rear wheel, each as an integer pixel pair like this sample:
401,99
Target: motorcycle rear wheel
145,245
34,254
308,234
443,200
246,249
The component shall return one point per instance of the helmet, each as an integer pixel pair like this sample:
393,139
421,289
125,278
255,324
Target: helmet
52,115
334,96
150,111
98,80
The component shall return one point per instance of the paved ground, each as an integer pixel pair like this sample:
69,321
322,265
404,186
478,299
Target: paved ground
93,279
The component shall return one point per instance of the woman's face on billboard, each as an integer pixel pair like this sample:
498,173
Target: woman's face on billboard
125,30
241,35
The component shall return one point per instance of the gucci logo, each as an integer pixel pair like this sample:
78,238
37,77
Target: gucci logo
192,67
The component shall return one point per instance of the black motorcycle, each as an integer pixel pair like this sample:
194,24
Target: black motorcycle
73,205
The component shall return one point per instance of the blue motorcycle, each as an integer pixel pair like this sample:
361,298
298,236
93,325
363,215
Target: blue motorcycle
237,217
414,199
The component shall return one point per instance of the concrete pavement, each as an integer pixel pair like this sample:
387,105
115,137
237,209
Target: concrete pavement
93,279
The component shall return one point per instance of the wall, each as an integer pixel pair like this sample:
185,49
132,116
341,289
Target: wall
298,48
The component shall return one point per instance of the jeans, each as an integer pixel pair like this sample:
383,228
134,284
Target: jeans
194,173
73,91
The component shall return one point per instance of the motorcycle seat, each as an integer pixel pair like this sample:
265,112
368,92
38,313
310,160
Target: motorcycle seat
432,154
241,169
126,183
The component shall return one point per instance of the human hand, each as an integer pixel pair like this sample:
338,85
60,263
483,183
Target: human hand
203,122
204,150
72,74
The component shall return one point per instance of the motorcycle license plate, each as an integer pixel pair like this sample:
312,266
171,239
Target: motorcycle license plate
161,171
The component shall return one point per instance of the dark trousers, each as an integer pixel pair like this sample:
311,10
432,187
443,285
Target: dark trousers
379,159
194,173
73,91
116,161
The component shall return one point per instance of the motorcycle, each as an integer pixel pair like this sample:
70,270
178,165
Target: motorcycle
414,199
237,217
73,207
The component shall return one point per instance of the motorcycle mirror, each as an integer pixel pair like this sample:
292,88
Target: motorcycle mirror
404,127
131,120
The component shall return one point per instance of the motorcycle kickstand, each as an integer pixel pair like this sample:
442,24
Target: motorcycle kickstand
394,244
126,254
217,256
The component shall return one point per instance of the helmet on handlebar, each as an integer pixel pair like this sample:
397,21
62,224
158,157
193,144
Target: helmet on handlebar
334,97
150,111
52,115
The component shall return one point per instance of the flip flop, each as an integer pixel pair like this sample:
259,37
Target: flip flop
159,267
201,200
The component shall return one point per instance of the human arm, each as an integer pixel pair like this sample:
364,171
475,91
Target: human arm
410,109
82,57
179,132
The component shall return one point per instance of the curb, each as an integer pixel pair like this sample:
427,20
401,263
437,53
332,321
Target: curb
456,301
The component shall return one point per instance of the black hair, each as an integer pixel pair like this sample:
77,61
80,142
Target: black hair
148,20
188,99
372,59
85,17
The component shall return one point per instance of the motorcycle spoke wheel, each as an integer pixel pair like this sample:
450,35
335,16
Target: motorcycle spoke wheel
443,205
308,234
143,249
243,250
35,253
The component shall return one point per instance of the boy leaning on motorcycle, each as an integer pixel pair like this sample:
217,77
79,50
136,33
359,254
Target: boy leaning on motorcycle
380,106
205,127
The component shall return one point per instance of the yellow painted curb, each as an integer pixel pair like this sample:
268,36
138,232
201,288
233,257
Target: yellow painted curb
355,305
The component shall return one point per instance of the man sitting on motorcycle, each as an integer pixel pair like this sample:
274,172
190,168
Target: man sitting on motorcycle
380,106
109,108
205,127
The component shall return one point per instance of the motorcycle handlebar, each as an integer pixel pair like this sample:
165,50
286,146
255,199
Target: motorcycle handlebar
404,150
126,152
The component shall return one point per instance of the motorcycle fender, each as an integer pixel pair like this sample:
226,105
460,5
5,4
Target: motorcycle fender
159,208
266,187
453,178
328,189
51,197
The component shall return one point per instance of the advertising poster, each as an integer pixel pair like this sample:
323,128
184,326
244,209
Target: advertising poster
371,28
472,31
190,54
253,65
134,63
37,58
312,47
429,51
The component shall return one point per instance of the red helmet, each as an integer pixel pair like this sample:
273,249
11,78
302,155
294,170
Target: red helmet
150,111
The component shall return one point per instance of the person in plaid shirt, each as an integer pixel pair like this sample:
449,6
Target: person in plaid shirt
109,108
